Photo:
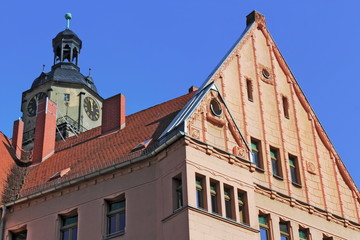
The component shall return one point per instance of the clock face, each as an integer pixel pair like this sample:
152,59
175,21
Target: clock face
91,108
33,103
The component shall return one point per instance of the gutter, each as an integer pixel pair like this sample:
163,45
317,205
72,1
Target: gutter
87,177
2,222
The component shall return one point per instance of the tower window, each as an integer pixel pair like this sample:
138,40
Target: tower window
214,197
228,199
303,233
200,192
19,235
66,97
249,89
285,107
275,162
294,170
177,192
256,153
264,227
242,207
284,231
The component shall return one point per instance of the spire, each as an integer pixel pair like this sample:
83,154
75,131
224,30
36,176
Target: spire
68,17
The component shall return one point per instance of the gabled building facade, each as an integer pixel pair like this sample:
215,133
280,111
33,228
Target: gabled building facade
241,157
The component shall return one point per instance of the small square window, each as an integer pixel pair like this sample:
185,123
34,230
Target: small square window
304,234
66,97
116,217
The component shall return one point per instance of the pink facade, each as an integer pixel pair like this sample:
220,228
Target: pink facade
243,157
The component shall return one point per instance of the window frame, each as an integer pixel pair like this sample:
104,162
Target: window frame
119,226
214,197
178,195
71,226
243,207
285,103
256,151
265,226
286,234
229,202
294,170
249,90
200,187
276,162
14,235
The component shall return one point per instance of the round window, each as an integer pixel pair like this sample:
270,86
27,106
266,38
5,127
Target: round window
266,74
215,107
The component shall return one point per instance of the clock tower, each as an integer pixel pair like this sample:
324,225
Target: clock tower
78,102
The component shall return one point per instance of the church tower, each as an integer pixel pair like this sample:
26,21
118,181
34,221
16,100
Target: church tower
78,102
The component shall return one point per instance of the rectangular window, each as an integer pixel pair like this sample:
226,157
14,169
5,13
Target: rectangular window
264,227
285,106
284,231
200,192
256,153
177,192
304,234
327,238
116,217
294,170
214,197
21,235
242,207
228,199
249,89
66,97
69,227
275,162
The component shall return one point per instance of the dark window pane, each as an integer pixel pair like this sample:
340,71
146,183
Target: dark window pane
275,167
263,234
74,234
19,235
66,235
112,224
293,175
122,222
69,220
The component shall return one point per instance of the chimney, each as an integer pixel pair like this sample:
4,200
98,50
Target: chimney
193,89
113,114
17,137
45,130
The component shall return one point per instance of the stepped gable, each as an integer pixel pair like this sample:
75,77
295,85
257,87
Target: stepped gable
7,163
90,151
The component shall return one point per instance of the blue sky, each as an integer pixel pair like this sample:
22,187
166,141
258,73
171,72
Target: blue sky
153,51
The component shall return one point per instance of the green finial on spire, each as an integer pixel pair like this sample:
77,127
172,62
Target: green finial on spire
68,17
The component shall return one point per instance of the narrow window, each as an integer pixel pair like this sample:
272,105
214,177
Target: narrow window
214,197
275,162
177,192
69,227
256,153
304,234
284,231
294,170
242,207
19,235
200,192
249,89
116,217
285,106
264,227
228,199
66,97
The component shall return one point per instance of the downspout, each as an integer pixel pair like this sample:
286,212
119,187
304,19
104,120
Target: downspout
2,222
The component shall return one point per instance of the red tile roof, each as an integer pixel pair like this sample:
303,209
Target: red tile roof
6,162
91,151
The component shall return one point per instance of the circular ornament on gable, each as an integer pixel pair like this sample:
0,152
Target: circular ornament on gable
266,73
215,107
